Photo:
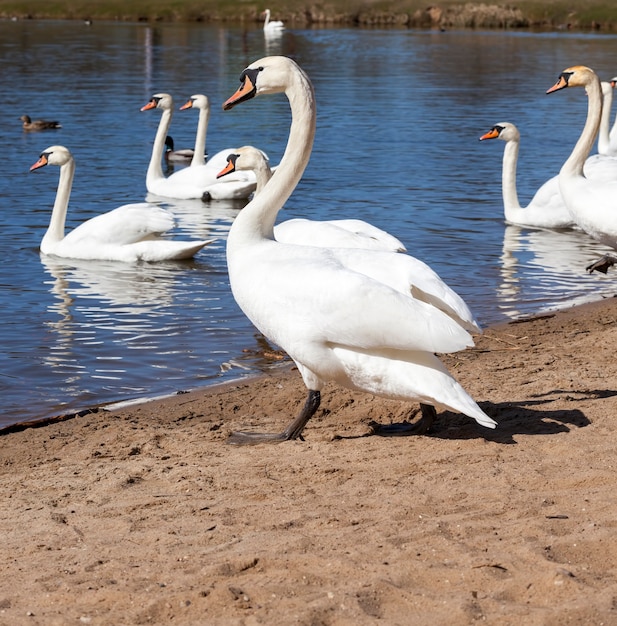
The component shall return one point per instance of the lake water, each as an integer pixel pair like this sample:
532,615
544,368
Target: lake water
399,117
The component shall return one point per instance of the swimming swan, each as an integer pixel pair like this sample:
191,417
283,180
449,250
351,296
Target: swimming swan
343,233
547,208
272,26
198,181
327,307
593,203
129,233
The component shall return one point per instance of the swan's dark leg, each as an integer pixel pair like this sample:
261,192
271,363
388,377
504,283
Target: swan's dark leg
421,427
602,264
293,431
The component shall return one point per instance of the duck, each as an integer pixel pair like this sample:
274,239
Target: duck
546,209
197,181
29,124
341,233
342,315
129,233
272,26
592,202
183,155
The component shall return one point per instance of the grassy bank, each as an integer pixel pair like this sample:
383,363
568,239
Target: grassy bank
527,14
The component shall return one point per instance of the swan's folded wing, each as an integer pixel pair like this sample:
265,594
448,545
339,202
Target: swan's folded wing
125,225
334,305
409,275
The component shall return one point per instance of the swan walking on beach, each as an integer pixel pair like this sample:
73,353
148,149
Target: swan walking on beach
197,181
328,307
129,233
343,233
592,202
547,208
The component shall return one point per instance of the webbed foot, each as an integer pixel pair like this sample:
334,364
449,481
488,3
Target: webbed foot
602,264
404,429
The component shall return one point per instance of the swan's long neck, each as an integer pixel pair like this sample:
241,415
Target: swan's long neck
155,169
200,137
55,231
576,161
604,142
256,220
267,20
508,177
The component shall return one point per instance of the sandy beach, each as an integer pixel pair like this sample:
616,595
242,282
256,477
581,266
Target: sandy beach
144,515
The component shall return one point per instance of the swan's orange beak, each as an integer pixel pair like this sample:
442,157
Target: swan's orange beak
247,90
150,105
187,105
562,83
230,167
42,162
492,134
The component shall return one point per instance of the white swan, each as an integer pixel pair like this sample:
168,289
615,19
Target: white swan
329,308
129,233
272,26
606,146
343,233
593,203
547,208
202,104
198,181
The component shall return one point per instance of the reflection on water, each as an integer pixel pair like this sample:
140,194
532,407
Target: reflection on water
543,270
399,114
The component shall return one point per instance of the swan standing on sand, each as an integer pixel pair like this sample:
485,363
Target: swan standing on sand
593,203
197,181
272,26
29,124
129,233
342,233
327,307
547,208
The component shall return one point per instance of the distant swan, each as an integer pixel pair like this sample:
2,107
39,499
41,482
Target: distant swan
29,124
198,181
593,203
129,233
342,315
272,26
343,233
547,208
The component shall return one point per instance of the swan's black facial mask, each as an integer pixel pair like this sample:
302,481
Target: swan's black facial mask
247,90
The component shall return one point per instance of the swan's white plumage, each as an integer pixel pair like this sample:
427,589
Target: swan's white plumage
607,142
197,181
342,233
272,26
335,321
547,208
128,233
592,202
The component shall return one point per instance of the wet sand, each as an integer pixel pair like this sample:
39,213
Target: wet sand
144,515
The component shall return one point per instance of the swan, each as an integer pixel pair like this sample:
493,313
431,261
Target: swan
606,146
343,233
592,203
129,233
547,208
197,181
202,104
30,124
184,155
272,26
336,311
